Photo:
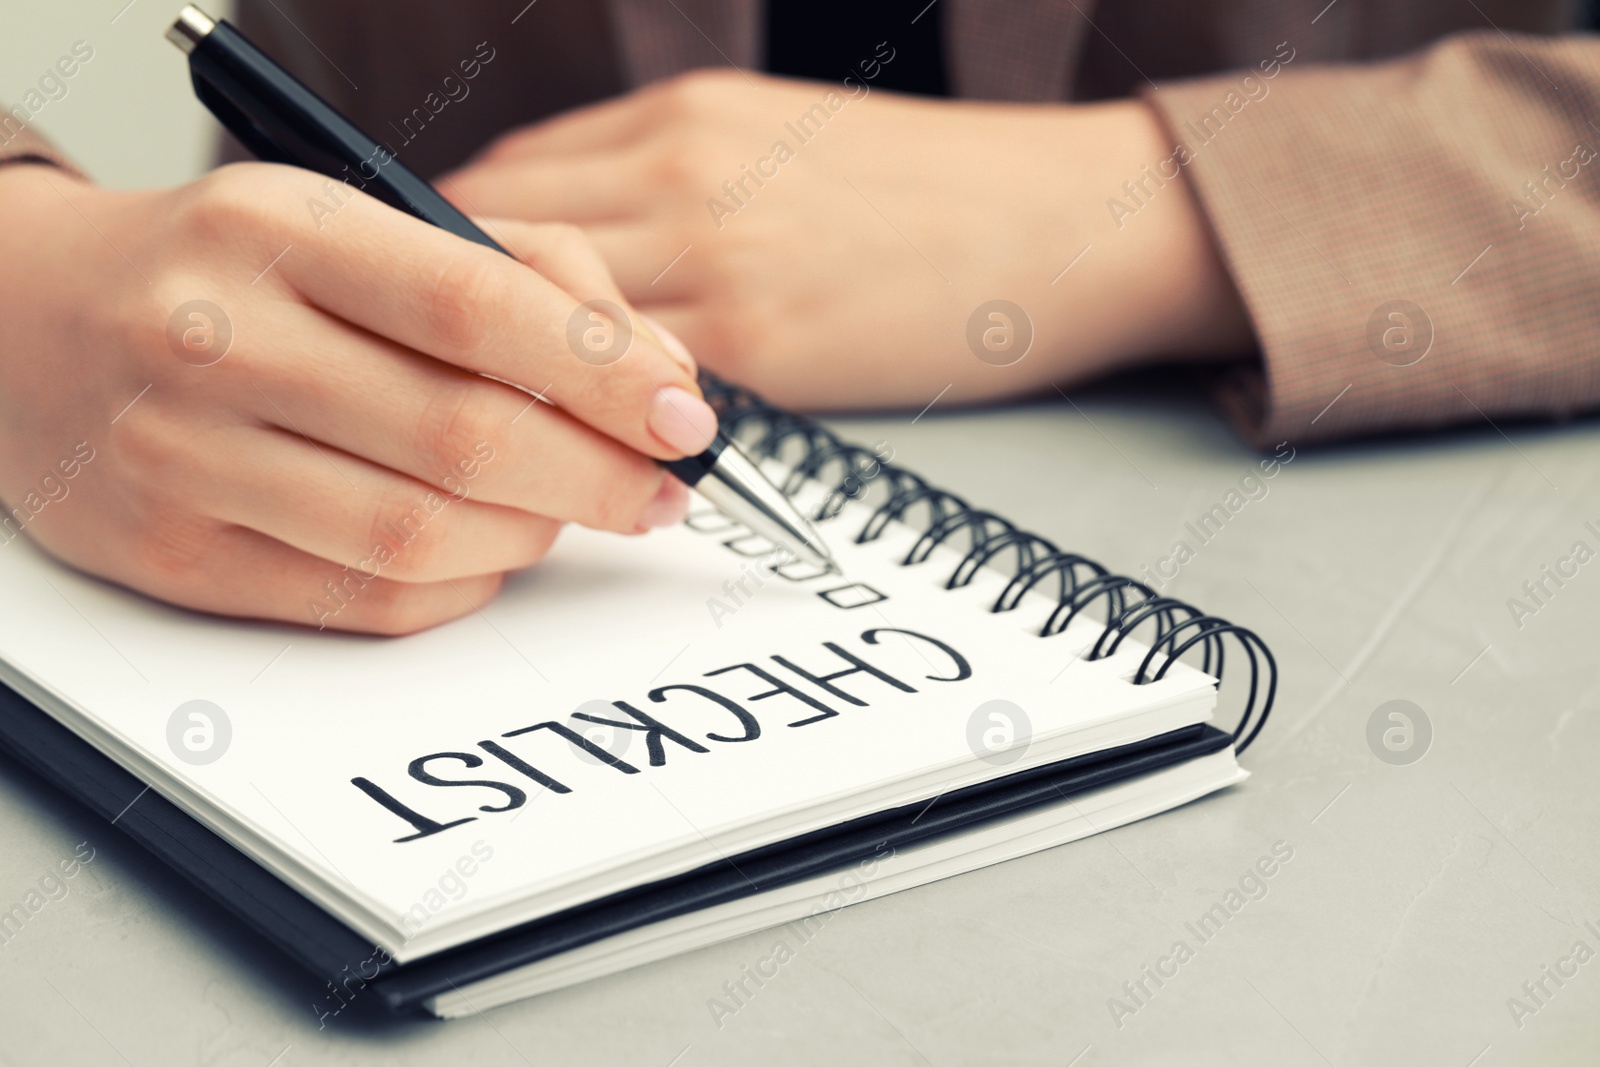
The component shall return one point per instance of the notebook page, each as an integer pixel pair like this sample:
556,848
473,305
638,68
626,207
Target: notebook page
679,634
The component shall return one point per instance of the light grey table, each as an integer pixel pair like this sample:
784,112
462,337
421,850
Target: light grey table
1418,900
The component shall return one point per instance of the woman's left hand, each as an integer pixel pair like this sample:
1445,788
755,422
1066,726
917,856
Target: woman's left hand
835,246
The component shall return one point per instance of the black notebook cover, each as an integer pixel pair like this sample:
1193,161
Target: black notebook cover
334,952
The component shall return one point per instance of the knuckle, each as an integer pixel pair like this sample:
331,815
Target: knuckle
227,202
727,339
566,244
462,299
412,531
163,553
152,454
396,610
685,165
507,146
541,537
620,503
142,314
455,425
696,91
568,239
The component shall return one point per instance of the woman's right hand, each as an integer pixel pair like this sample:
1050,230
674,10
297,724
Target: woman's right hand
263,394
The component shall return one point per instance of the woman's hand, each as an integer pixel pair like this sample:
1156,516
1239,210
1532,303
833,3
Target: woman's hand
263,394
834,246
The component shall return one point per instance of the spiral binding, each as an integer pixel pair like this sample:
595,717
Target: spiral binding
814,453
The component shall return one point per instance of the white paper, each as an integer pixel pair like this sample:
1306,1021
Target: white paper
604,618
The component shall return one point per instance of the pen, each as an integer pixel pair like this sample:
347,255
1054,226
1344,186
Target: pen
281,121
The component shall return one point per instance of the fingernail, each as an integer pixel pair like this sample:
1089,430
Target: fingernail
667,507
682,420
671,345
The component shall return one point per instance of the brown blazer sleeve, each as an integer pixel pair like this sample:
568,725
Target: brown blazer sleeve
1463,180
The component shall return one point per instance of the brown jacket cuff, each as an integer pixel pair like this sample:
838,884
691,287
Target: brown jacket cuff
1417,242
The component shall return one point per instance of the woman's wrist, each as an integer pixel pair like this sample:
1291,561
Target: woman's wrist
27,201
1110,237
22,173
1191,308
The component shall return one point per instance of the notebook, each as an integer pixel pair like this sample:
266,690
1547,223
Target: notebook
645,745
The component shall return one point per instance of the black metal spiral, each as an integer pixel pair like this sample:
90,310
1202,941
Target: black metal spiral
1080,584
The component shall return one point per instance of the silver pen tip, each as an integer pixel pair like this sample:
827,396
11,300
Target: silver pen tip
736,486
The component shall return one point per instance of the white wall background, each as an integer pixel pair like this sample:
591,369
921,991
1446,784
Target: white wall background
129,117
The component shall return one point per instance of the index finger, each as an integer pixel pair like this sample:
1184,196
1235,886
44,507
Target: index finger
475,308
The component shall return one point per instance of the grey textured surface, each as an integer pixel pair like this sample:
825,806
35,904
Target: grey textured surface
1418,900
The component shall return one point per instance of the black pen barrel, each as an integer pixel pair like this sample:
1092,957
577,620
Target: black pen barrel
281,121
